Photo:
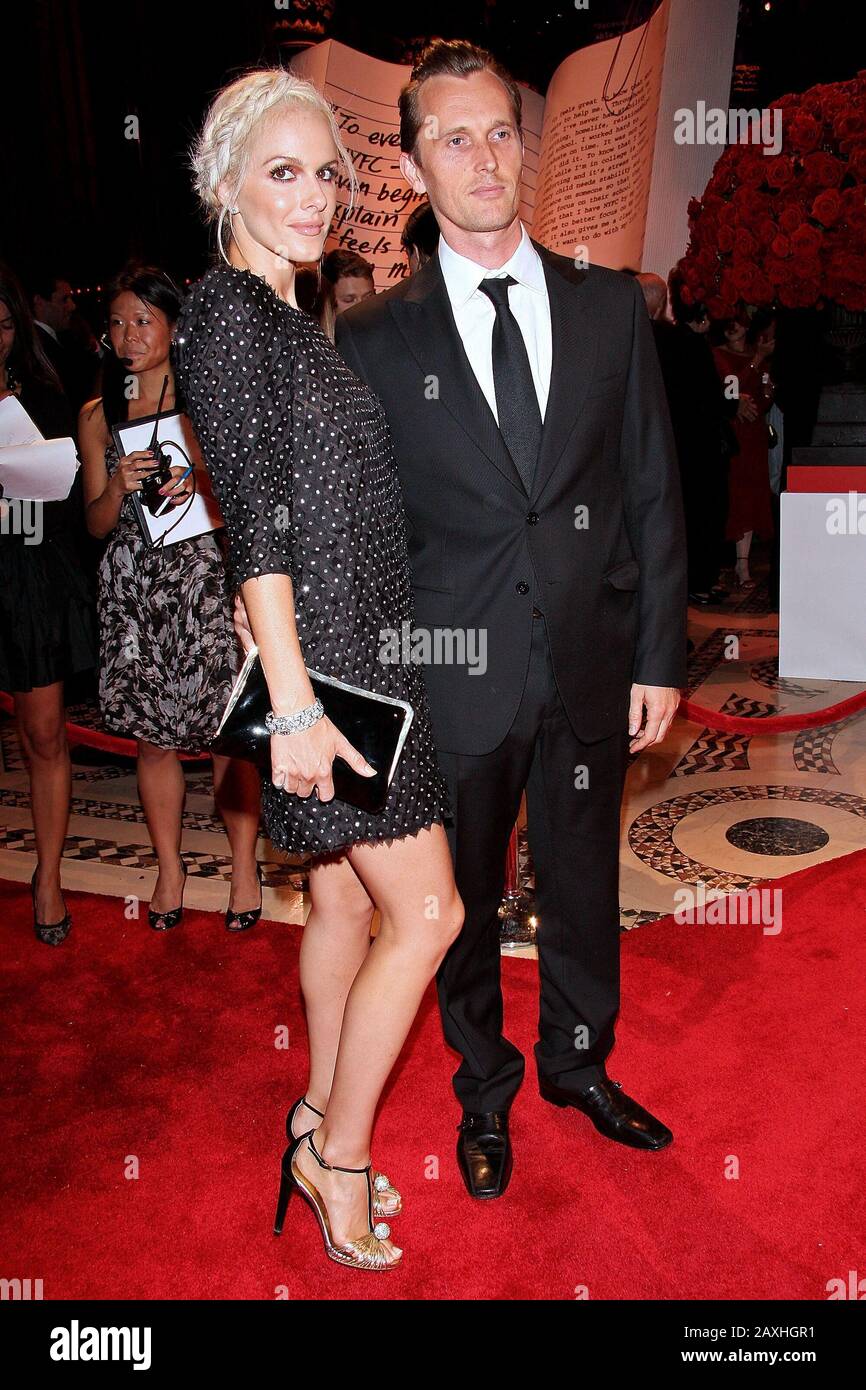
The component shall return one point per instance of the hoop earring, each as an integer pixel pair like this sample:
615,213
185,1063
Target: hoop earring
231,211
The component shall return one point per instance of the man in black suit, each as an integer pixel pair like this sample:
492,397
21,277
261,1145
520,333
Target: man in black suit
53,305
545,530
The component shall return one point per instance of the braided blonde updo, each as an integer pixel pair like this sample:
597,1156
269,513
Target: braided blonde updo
221,152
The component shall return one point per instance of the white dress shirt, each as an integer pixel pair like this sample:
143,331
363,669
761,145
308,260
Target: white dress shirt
475,315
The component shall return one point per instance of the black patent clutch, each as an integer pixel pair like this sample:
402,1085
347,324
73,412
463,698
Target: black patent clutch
375,724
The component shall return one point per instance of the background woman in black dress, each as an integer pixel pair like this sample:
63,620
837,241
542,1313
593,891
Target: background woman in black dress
46,613
302,464
168,654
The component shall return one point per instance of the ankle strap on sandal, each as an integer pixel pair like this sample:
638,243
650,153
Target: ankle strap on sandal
320,1113
332,1167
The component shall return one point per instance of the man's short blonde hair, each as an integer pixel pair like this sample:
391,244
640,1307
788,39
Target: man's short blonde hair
221,152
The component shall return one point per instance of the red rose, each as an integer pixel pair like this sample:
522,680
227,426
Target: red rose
751,205
727,288
806,267
780,170
854,212
781,246
752,173
848,125
790,219
846,265
762,290
857,162
706,264
822,170
806,240
827,207
777,272
743,277
766,231
803,133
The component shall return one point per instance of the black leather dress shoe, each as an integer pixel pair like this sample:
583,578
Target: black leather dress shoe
484,1153
614,1114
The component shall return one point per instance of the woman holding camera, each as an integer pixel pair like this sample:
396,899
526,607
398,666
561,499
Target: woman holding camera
168,653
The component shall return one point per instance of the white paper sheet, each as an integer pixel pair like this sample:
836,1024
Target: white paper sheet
16,426
40,472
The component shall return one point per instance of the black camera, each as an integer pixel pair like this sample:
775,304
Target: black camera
150,494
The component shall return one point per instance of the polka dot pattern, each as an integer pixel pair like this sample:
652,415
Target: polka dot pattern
303,467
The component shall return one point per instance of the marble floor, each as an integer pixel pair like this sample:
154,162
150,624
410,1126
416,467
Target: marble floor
728,810
107,846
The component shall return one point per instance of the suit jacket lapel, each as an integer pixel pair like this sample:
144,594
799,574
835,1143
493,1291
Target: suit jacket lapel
424,317
574,333
426,321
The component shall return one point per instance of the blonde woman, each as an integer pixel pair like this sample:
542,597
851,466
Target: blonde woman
302,465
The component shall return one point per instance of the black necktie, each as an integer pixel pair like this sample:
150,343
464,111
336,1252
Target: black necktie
516,401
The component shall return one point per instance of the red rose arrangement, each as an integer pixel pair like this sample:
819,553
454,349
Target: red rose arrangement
787,228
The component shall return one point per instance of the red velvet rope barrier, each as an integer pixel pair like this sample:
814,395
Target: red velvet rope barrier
774,723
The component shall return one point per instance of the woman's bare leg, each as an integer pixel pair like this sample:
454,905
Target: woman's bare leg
162,790
335,944
744,545
237,793
42,731
411,881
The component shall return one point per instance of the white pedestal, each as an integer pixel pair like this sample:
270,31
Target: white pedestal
822,594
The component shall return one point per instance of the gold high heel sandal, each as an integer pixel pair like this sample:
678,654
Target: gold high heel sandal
368,1251
386,1199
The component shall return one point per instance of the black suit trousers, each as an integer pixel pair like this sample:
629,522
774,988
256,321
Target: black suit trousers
573,791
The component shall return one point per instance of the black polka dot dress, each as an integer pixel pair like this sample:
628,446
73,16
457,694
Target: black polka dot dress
302,465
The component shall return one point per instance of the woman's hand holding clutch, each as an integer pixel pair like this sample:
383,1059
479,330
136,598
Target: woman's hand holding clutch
302,761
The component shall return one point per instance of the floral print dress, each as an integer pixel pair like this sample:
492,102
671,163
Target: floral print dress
168,655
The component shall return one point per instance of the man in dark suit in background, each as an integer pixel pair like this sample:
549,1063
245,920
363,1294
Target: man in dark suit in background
545,528
53,305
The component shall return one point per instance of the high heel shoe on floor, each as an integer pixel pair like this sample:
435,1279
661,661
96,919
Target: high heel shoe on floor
386,1199
164,921
50,934
242,921
368,1251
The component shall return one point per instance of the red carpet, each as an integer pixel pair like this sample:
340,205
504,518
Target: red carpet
127,1043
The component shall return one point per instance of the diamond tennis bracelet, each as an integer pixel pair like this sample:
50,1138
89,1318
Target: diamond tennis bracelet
294,723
